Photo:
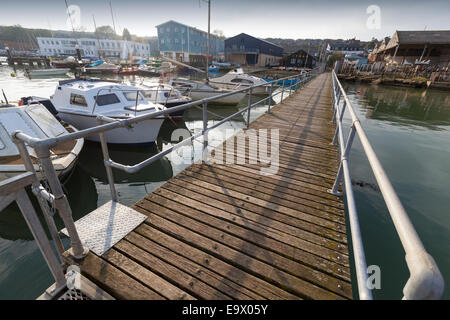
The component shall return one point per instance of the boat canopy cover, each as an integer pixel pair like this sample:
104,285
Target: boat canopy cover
34,120
96,63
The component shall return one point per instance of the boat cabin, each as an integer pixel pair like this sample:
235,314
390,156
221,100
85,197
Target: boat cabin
100,97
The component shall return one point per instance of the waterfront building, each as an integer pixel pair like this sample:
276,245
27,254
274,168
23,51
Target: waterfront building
187,44
351,47
411,47
244,49
300,59
92,47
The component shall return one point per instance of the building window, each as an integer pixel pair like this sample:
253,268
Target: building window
168,29
162,41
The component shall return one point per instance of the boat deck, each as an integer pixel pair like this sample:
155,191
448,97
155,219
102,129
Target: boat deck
228,232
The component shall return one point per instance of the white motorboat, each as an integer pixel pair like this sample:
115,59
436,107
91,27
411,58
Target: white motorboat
237,79
36,121
200,90
47,72
80,101
166,95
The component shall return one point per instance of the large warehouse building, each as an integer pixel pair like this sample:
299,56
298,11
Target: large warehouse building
187,44
244,49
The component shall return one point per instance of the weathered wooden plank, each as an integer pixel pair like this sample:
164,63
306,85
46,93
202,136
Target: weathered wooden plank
112,280
144,275
211,277
241,259
281,191
207,260
300,238
187,282
244,231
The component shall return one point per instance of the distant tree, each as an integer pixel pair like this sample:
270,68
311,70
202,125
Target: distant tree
372,43
126,35
106,32
332,59
219,34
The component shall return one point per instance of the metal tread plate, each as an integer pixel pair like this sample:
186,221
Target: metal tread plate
104,227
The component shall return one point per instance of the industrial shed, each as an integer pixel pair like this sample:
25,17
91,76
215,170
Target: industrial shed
417,47
244,49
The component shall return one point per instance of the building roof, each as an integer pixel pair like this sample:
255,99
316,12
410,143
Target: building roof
185,25
419,37
302,52
247,35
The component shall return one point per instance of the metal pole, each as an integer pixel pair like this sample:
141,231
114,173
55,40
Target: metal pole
65,212
334,190
249,107
205,132
282,92
42,203
270,97
208,44
109,172
39,235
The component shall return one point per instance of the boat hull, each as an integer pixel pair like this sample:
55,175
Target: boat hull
142,133
48,72
202,94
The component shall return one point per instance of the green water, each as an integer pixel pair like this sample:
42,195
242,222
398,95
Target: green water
409,129
410,132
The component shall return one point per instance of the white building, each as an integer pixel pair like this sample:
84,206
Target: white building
92,47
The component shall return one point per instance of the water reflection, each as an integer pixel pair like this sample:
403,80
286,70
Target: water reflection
405,106
81,193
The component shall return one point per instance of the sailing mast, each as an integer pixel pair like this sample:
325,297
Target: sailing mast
96,35
112,16
208,45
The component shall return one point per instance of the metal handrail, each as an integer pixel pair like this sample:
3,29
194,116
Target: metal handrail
425,281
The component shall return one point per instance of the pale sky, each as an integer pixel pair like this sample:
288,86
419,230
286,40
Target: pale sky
261,18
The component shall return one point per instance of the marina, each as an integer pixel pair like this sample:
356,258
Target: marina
197,166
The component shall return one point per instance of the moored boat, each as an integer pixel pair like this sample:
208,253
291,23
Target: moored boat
199,90
80,101
47,72
166,95
237,79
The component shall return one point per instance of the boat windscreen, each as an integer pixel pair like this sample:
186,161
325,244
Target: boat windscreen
132,95
106,99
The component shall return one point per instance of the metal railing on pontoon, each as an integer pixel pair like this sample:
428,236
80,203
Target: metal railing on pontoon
425,281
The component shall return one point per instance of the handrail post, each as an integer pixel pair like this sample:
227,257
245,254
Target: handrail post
270,97
290,86
249,107
205,132
39,235
106,158
42,203
335,189
282,92
61,203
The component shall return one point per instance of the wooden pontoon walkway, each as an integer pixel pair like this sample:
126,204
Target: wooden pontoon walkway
227,232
